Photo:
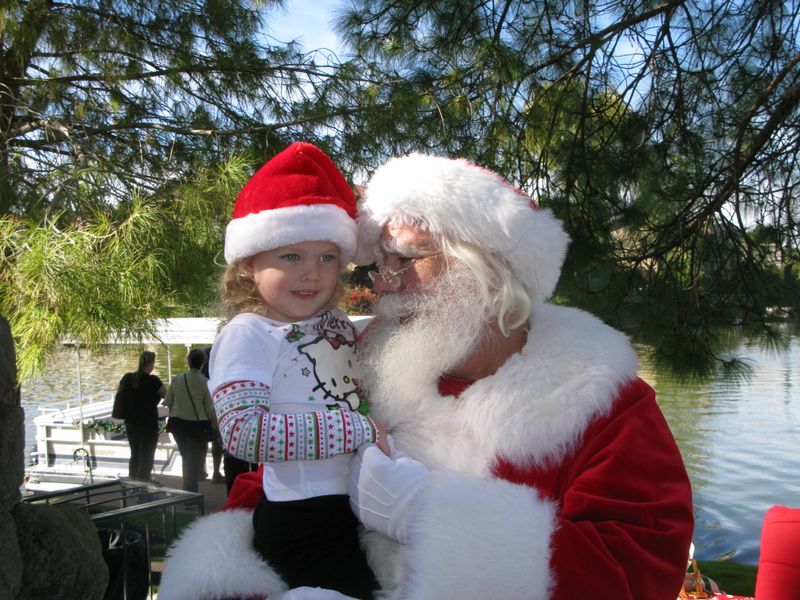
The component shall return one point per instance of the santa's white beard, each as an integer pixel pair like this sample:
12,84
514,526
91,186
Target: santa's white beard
417,337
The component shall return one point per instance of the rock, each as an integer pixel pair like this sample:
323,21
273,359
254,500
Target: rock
9,395
12,423
12,451
46,552
10,557
62,555
12,438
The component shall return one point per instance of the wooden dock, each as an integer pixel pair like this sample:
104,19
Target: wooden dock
215,494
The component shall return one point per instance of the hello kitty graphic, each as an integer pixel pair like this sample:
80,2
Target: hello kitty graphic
332,354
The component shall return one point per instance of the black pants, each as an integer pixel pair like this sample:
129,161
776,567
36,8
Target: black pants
193,454
235,466
314,542
143,440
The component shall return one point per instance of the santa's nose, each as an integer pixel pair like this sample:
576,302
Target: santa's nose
380,287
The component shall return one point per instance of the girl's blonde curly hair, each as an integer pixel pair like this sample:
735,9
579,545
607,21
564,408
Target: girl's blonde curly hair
238,293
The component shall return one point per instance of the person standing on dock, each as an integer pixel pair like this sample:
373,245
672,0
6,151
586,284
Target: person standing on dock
141,391
190,412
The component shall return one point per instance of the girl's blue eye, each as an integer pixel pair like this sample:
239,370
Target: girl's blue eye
328,258
290,257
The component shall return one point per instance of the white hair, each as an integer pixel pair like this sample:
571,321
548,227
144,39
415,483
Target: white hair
419,334
464,202
502,291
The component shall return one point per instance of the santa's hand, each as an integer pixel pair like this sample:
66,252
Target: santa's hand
383,490
309,593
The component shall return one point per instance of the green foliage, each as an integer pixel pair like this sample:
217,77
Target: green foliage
103,426
81,281
660,133
103,101
359,301
128,128
194,232
113,271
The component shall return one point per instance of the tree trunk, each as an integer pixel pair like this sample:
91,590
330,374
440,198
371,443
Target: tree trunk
12,434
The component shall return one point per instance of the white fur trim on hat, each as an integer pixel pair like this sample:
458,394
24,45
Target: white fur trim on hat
273,228
467,203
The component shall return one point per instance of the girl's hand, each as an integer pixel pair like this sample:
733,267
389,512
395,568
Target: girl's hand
383,438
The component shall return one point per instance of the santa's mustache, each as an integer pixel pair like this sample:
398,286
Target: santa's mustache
420,334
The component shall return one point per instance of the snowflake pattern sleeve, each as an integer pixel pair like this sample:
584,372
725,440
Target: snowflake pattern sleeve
252,433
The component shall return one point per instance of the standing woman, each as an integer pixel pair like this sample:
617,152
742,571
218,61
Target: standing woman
142,391
190,411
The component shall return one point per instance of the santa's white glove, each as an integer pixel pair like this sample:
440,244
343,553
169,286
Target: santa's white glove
383,490
309,593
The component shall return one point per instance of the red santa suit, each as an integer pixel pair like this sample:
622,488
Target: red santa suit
556,477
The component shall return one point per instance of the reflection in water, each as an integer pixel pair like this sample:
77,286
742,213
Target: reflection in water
741,445
740,441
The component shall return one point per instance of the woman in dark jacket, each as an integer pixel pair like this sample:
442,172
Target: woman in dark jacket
142,391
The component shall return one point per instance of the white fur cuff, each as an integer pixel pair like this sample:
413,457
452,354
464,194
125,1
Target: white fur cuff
215,558
478,538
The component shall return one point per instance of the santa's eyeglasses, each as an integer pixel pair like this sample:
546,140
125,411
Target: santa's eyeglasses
392,278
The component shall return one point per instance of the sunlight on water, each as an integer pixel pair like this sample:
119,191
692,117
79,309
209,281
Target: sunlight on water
740,442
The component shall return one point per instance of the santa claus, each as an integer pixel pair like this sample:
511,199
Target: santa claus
529,460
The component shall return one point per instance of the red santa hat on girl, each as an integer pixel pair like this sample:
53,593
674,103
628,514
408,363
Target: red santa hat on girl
464,202
297,196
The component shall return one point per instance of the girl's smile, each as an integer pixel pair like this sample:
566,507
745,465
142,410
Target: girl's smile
296,281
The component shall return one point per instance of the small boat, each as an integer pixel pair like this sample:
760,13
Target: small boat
84,444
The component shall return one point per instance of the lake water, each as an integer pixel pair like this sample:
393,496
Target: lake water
741,446
740,441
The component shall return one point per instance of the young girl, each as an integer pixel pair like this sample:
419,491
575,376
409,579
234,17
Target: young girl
282,375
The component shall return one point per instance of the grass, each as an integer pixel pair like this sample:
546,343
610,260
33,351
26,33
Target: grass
160,539
732,578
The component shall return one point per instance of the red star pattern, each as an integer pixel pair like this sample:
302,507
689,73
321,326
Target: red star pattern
243,407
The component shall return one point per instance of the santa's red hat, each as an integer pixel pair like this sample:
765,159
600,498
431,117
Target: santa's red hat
297,196
467,203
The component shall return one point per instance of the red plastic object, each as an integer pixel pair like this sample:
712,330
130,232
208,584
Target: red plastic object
779,564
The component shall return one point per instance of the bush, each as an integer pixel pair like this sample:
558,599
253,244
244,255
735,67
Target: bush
359,301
